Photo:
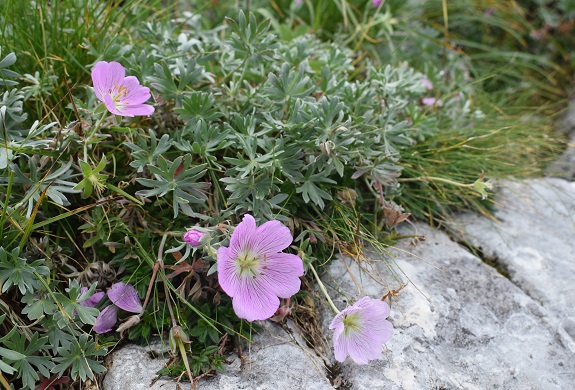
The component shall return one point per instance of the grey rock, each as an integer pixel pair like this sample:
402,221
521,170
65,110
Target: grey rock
534,240
458,324
277,359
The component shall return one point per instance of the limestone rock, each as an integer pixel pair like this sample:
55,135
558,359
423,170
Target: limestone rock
534,240
458,324
277,359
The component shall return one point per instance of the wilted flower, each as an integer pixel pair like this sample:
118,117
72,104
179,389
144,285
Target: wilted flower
106,319
254,271
122,95
193,236
361,330
125,297
93,300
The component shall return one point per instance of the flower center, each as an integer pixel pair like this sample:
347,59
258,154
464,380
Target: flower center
118,94
248,264
351,323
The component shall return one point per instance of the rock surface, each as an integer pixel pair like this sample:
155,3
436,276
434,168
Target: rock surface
534,240
276,360
459,325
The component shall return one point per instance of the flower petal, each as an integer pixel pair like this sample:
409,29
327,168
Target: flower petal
242,236
135,93
105,75
93,300
137,110
253,302
227,276
106,319
271,237
111,106
125,297
280,273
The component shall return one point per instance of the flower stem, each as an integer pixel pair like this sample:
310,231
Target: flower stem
323,290
433,178
92,133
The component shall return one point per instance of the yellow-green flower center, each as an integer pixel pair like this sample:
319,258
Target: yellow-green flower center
248,264
351,323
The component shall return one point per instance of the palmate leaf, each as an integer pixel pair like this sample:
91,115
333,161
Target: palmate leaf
32,363
16,271
79,358
178,177
38,304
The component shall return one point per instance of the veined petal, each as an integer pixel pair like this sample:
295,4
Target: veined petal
135,93
106,319
252,302
105,75
125,297
242,236
227,275
271,237
138,109
280,273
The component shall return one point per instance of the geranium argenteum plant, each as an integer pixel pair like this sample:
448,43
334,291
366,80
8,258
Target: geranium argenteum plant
254,271
361,330
122,95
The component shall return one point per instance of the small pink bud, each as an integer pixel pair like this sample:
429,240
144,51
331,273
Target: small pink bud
193,237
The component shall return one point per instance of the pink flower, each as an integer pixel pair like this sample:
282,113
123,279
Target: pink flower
193,237
376,3
254,271
361,330
426,83
430,101
106,319
122,95
125,297
93,300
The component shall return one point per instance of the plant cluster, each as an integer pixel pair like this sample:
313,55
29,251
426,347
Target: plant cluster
134,185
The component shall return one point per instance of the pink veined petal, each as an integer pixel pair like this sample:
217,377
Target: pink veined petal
271,237
280,273
242,236
227,276
136,93
125,297
360,349
252,302
106,319
138,110
105,75
110,105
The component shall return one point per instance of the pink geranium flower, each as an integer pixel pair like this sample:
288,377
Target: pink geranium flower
254,271
122,95
361,330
